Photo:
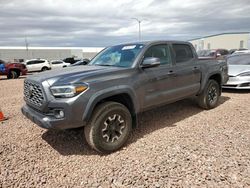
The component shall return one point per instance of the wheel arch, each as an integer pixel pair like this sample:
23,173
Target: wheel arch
124,96
45,67
214,76
217,77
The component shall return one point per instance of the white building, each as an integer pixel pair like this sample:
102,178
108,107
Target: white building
228,41
49,53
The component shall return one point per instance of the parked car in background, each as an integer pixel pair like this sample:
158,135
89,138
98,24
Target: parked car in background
234,50
34,65
218,54
81,62
71,60
57,64
238,71
12,70
242,52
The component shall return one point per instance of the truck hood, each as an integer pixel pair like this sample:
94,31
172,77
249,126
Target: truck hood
72,74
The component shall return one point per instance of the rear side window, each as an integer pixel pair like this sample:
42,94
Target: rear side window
30,62
160,51
56,62
39,61
183,52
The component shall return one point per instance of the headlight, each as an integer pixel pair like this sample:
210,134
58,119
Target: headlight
67,90
244,74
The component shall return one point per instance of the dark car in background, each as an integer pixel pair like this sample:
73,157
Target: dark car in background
71,60
81,62
238,71
218,54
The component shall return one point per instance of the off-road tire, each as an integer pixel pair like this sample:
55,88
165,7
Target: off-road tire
209,98
100,138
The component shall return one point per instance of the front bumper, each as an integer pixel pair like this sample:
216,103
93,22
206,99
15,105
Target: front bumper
238,82
49,122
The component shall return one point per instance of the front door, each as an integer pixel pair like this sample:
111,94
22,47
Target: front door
160,80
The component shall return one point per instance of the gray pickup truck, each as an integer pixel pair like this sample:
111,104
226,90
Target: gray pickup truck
106,96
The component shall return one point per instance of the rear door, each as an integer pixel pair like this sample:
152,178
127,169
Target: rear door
39,65
187,70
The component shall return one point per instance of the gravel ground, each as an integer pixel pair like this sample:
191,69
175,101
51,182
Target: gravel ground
178,145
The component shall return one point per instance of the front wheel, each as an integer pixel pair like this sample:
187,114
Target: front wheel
12,75
209,98
109,127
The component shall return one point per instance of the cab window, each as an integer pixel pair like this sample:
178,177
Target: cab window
183,52
160,51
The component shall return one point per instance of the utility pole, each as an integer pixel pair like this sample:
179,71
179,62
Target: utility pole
27,48
139,24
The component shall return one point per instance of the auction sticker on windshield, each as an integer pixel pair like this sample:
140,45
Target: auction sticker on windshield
129,47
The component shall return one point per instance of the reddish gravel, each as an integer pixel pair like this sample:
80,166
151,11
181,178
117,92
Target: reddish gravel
179,145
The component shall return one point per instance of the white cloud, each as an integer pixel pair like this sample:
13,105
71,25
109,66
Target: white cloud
105,22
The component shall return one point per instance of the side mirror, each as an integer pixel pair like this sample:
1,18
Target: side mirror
150,62
218,55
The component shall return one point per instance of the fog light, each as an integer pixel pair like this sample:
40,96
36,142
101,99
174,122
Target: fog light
59,114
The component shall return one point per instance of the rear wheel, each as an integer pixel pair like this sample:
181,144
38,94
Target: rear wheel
209,98
12,74
109,127
45,68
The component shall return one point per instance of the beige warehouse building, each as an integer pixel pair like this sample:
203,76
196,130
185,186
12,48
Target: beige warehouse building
224,40
49,53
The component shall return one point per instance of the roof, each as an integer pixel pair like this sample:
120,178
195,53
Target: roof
153,42
231,33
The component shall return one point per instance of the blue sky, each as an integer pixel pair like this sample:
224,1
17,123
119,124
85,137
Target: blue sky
101,23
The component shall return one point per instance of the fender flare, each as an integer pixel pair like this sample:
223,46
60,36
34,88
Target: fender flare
109,92
205,79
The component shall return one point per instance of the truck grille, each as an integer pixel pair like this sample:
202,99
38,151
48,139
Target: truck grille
33,93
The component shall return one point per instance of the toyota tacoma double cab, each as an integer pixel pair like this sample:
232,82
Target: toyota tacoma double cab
12,70
106,96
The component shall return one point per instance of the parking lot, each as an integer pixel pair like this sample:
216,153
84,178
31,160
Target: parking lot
177,145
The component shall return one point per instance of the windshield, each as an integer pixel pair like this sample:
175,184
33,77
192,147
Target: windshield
118,56
78,63
206,53
239,60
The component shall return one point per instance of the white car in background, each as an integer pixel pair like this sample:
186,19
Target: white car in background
34,65
55,64
242,52
238,71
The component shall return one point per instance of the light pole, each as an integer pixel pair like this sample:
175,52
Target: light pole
27,47
139,23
